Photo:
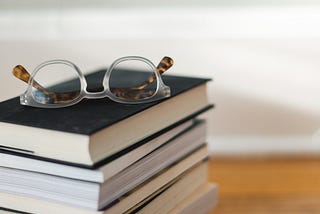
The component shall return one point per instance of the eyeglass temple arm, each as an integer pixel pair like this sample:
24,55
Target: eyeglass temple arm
162,67
21,73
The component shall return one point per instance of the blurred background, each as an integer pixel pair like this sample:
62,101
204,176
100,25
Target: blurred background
262,56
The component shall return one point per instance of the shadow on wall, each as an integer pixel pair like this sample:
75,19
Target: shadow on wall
237,114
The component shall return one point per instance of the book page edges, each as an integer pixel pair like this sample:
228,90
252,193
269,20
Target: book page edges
153,184
186,183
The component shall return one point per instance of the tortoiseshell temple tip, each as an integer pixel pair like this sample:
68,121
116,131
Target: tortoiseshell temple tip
21,73
165,64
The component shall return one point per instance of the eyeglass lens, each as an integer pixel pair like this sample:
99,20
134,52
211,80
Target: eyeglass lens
133,80
46,88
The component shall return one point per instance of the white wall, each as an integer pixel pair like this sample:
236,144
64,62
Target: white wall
263,59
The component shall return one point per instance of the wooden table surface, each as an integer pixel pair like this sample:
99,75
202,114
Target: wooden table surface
266,184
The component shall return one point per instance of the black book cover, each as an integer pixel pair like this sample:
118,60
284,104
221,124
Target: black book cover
88,116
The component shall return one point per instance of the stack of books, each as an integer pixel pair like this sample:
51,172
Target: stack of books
104,157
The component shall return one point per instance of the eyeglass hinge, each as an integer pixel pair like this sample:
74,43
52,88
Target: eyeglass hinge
23,99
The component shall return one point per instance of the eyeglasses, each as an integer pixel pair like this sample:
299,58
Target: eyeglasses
129,80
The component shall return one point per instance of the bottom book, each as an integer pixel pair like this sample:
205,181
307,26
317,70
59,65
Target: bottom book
200,201
185,196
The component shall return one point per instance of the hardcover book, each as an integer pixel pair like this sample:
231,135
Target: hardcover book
108,167
93,130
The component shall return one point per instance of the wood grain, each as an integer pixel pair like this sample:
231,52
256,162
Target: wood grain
266,184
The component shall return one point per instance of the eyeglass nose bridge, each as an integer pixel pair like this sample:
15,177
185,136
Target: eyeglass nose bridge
95,95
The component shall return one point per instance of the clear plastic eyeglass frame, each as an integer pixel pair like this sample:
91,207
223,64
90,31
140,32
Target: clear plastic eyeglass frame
27,98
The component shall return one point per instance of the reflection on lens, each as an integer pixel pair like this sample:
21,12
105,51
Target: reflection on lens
133,80
56,84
